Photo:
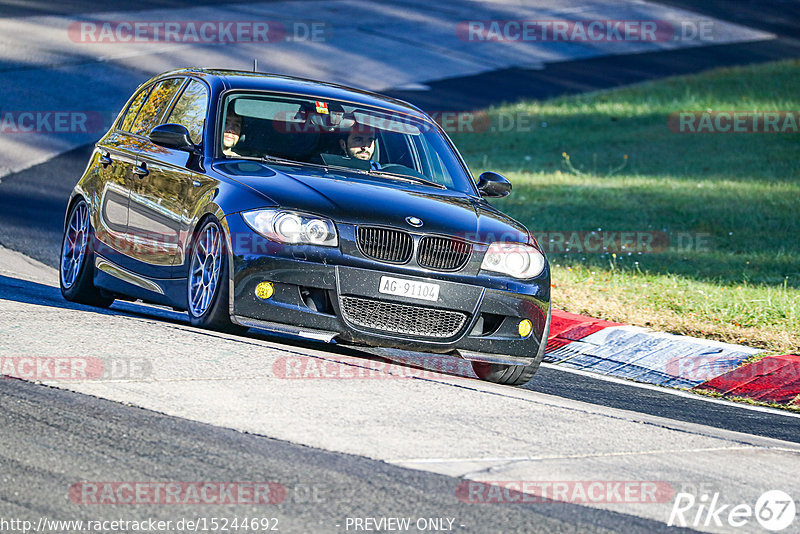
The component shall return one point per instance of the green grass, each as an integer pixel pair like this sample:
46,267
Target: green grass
627,171
713,394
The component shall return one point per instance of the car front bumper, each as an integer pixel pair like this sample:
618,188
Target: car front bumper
325,298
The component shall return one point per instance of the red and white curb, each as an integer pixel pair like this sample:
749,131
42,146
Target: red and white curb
771,379
624,351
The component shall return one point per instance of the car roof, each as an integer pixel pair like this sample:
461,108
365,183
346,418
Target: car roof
260,81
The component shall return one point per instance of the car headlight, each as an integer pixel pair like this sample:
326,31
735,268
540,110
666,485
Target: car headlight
292,228
514,259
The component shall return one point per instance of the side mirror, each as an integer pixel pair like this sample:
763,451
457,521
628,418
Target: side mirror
491,184
173,136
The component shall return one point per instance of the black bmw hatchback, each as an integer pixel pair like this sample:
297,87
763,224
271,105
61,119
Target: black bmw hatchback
305,208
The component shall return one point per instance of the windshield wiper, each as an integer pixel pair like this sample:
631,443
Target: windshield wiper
374,172
275,159
266,158
406,178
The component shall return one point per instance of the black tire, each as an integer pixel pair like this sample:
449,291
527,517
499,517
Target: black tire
76,264
509,375
216,314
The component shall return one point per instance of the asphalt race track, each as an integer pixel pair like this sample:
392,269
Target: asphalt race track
88,438
184,405
369,438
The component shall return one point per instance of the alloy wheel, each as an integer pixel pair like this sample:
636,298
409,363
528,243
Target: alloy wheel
205,270
76,240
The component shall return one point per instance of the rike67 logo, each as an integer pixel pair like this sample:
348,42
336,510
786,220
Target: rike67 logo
774,510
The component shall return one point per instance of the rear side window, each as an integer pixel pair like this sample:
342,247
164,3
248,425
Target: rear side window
155,105
190,110
133,109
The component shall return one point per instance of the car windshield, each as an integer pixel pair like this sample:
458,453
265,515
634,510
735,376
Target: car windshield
378,143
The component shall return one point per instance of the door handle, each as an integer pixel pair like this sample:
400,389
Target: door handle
141,170
105,159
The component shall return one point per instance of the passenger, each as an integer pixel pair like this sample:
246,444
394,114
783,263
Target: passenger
360,144
232,133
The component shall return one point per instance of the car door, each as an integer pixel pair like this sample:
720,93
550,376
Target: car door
190,110
115,157
154,221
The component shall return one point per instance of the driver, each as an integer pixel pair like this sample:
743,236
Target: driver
360,143
232,133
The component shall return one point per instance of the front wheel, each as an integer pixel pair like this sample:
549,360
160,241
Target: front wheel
509,375
76,269
208,292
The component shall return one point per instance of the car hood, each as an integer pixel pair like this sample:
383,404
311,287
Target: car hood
357,199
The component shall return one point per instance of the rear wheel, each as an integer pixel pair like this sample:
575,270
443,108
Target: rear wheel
510,375
208,292
76,271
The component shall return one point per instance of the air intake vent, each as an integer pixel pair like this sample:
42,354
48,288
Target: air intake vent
443,253
383,244
402,318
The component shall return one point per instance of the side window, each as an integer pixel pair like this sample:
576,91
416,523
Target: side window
154,106
133,109
190,110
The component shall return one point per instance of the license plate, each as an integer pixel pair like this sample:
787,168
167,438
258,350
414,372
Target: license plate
409,288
